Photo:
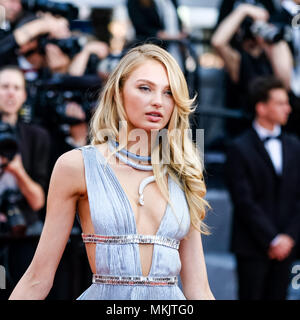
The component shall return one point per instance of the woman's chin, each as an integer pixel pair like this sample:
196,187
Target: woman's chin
148,127
155,127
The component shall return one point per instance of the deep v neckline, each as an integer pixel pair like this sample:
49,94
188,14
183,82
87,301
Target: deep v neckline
121,189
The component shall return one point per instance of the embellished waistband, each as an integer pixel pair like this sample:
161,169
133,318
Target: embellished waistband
136,280
131,238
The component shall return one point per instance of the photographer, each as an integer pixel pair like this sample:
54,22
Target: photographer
41,59
29,167
12,40
227,6
64,105
15,16
261,52
24,178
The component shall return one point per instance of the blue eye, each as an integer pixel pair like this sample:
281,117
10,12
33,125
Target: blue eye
144,88
169,92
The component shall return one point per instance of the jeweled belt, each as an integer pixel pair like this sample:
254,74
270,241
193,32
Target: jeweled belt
131,238
136,280
127,239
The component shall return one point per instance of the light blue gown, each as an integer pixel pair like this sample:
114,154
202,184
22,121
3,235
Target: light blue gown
112,215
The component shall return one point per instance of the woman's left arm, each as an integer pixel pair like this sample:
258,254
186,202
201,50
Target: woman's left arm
193,271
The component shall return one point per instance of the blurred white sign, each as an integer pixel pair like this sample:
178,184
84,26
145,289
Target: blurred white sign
2,278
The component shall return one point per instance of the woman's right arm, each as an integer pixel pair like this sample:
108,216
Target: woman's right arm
225,32
66,186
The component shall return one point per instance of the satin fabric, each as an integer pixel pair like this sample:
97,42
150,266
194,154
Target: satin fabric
111,214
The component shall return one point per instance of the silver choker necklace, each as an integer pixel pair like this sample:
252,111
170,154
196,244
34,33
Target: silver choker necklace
126,160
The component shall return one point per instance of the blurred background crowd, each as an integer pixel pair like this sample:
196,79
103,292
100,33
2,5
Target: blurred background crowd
56,56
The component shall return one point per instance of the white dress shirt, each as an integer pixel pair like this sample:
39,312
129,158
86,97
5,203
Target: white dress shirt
273,146
274,149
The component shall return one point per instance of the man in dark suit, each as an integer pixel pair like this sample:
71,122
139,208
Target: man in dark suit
263,176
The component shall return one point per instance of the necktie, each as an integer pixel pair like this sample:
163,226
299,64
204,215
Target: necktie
267,138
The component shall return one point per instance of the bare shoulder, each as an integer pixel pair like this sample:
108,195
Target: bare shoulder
71,160
69,170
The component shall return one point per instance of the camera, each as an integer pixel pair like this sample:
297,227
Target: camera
50,97
271,33
66,10
13,221
8,142
70,46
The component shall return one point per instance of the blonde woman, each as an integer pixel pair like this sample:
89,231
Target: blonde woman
141,211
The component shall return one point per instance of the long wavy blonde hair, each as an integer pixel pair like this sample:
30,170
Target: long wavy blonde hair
185,165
